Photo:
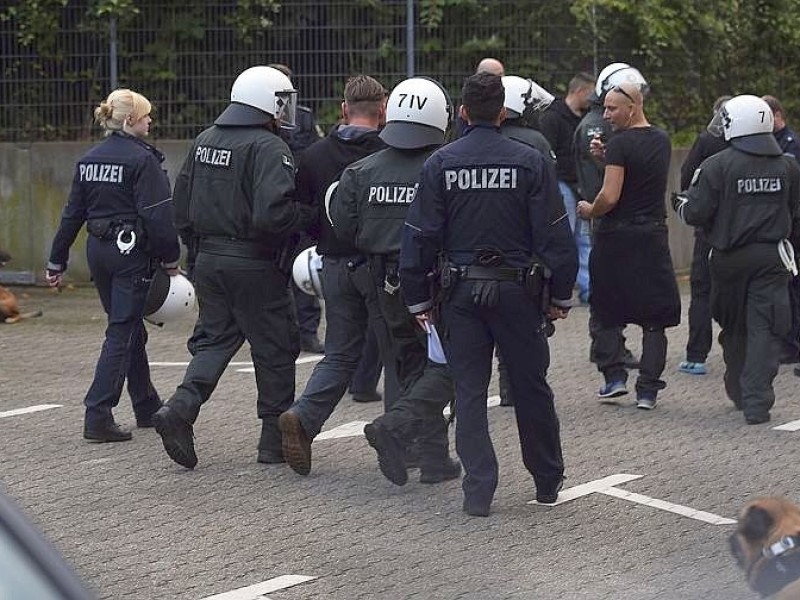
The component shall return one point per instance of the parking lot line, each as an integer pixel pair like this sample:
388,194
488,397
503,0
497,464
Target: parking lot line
352,429
256,591
790,426
28,409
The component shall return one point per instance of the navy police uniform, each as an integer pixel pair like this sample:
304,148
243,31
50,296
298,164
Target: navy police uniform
370,208
234,195
120,188
747,200
487,203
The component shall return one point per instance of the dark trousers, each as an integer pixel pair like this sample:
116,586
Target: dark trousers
700,338
350,305
122,282
307,311
607,351
470,336
368,372
750,301
241,299
425,387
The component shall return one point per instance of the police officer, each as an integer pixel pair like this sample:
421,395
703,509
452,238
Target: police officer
350,295
123,195
698,344
490,205
234,194
747,200
305,132
370,208
523,100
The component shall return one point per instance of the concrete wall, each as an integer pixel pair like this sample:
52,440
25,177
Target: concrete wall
35,181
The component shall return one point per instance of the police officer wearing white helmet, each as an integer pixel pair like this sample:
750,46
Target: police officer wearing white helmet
369,209
488,205
747,200
234,194
523,101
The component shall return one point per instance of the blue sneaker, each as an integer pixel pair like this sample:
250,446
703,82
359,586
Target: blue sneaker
692,368
611,390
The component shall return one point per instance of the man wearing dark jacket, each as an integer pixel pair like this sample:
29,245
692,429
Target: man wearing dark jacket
350,294
558,124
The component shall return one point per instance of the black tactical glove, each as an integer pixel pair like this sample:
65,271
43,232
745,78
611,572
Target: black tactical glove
485,293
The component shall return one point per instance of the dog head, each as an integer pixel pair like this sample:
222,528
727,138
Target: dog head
766,544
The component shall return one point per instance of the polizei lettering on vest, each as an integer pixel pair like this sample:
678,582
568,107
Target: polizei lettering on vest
216,157
99,172
486,178
759,185
391,194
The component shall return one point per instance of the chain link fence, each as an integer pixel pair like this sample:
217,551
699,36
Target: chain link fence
184,57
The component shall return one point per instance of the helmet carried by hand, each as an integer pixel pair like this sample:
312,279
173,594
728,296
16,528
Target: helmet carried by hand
259,95
417,114
169,298
306,272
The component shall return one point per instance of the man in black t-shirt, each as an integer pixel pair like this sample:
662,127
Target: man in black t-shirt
633,280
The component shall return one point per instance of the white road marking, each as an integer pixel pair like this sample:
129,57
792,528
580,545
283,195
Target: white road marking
28,409
490,401
247,365
352,429
790,426
606,486
255,592
678,509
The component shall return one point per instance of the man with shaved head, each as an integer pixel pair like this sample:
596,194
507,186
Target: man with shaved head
633,281
492,66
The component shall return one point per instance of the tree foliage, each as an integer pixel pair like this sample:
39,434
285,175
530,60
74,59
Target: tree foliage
184,54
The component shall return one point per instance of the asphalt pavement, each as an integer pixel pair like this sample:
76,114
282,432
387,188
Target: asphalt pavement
650,499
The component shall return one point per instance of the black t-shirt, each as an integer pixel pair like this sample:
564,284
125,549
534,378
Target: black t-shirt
644,153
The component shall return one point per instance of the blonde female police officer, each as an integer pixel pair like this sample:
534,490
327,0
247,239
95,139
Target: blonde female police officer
491,205
123,195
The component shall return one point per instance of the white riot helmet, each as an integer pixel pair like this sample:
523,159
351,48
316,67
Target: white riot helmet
169,298
417,114
629,75
305,272
259,95
746,121
524,96
601,86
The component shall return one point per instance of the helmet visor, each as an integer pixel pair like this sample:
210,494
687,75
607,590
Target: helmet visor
286,107
717,125
540,97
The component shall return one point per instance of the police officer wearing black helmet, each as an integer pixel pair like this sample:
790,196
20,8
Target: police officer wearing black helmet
747,200
122,193
234,194
369,209
490,205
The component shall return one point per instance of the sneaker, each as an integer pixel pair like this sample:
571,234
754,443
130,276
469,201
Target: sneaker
612,389
692,368
110,432
391,459
295,442
646,401
449,470
177,436
544,497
